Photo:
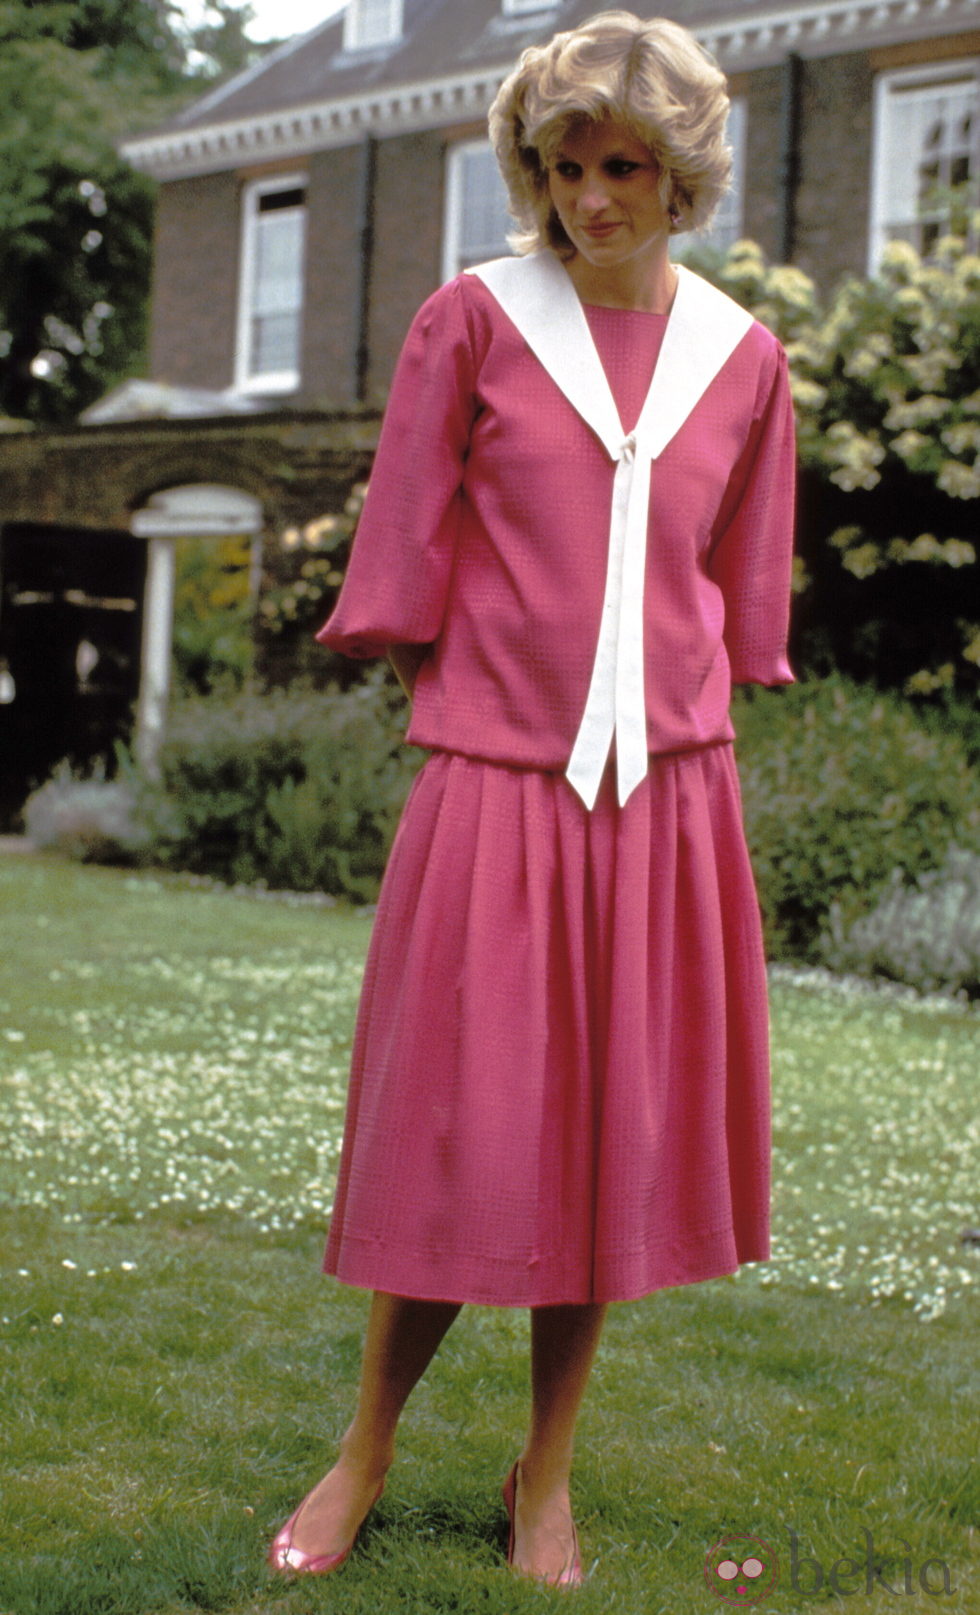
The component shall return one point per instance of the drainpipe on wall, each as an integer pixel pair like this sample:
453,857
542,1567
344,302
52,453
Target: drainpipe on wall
365,226
789,154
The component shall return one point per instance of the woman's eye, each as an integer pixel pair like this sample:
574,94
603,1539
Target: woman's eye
567,170
620,168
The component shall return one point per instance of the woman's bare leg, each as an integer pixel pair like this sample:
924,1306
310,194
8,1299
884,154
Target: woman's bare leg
401,1339
564,1340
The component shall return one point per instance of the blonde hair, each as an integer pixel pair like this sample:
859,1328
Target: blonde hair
652,76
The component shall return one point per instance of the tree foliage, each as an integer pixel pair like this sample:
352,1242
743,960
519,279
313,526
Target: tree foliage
76,77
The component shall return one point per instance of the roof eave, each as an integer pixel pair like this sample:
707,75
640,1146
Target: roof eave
318,126
813,29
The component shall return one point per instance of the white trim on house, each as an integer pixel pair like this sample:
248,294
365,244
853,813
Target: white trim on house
458,253
198,510
369,23
891,134
515,8
830,27
246,379
323,126
816,28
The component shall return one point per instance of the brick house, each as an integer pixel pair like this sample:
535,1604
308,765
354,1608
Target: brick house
332,188
307,207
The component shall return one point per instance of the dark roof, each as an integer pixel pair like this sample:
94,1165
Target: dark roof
441,38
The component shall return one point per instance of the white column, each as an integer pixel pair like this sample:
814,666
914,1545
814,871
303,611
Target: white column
158,630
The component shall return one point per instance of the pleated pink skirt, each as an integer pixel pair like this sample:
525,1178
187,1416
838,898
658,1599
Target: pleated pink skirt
560,1078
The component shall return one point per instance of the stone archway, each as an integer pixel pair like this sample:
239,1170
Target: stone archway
191,510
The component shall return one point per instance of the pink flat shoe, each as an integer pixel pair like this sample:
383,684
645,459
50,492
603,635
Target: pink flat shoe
290,1561
571,1576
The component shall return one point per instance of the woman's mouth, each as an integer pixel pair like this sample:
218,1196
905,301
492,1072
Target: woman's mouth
599,232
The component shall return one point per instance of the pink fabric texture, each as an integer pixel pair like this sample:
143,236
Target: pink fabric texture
559,1087
560,1081
486,527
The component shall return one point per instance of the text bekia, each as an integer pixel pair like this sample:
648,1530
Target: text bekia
885,1572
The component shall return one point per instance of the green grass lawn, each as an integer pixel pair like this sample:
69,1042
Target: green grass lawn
176,1371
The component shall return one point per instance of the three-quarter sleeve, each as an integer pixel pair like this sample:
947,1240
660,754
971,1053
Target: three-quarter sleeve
752,557
397,582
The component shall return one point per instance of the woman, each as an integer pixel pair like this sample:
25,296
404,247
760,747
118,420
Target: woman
577,534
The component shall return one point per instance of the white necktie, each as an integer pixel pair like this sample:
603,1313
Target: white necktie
616,703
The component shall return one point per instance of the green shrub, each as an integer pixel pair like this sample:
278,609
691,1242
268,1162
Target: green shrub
297,788
850,797
302,790
302,575
213,614
927,935
843,786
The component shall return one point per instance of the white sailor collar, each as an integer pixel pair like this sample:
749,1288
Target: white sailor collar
703,330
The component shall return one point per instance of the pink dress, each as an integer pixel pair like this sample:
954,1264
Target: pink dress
560,1084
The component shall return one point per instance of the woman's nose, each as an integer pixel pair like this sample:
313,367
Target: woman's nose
593,196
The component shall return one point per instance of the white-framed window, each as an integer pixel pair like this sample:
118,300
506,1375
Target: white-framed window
372,22
926,153
514,8
728,224
477,222
270,296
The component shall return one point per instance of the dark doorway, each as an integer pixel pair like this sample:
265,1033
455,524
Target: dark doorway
71,608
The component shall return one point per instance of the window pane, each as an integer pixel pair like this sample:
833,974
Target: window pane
929,153
275,201
483,219
275,344
373,22
278,261
277,288
727,225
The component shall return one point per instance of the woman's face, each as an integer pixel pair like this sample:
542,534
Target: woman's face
604,184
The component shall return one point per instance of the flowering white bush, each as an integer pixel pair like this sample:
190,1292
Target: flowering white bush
886,384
